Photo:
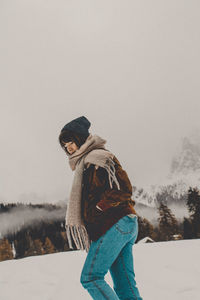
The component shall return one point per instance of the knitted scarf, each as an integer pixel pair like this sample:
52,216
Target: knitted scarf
91,152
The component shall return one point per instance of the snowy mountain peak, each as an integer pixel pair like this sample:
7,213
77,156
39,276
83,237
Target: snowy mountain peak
188,160
184,173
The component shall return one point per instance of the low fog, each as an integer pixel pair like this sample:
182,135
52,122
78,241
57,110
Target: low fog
21,217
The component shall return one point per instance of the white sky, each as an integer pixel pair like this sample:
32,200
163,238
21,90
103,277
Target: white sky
131,67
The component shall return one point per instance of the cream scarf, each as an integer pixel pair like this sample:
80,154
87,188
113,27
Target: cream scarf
79,160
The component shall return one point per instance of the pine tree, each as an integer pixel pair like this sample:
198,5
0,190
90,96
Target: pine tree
48,246
31,248
145,229
63,234
187,228
193,204
38,247
5,250
168,224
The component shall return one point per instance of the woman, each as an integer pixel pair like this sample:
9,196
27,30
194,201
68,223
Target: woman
100,216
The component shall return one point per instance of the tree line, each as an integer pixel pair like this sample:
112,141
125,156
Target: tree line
44,236
168,227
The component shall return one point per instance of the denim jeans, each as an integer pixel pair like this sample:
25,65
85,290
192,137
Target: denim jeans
113,252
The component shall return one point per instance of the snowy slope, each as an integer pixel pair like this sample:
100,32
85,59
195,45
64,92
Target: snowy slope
164,270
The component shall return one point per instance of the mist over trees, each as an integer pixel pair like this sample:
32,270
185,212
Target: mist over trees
43,235
46,232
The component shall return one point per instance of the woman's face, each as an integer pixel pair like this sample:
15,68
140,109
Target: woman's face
71,147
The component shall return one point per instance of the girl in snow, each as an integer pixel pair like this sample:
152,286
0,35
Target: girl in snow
100,217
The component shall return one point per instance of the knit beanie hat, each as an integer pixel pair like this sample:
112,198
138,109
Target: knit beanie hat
79,125
76,131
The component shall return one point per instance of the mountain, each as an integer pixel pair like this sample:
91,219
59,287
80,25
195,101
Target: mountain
185,165
184,172
188,160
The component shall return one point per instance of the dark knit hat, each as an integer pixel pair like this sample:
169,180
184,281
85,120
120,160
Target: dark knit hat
76,130
79,125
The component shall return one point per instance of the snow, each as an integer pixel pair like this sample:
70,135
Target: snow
13,250
164,270
145,240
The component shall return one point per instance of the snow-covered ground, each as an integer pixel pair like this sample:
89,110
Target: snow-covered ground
164,271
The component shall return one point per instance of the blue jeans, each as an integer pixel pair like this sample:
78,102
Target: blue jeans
113,252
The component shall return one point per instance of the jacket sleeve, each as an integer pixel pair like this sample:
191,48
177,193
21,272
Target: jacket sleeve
108,197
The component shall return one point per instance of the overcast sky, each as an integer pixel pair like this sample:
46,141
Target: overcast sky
131,67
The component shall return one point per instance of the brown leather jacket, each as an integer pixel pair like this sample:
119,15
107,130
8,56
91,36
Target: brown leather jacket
113,203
